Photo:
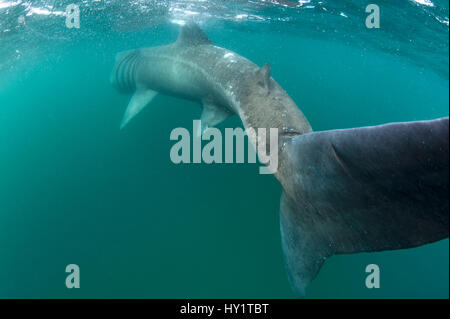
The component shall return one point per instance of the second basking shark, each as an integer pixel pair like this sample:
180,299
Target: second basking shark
344,191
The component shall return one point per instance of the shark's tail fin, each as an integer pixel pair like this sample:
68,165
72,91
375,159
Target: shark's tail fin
362,190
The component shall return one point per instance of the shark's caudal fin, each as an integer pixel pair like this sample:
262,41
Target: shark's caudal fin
364,189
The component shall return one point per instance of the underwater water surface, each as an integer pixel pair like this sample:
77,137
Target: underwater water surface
75,189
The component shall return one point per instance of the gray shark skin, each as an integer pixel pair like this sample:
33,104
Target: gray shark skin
222,81
363,190
344,191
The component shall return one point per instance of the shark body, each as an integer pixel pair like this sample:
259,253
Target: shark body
344,191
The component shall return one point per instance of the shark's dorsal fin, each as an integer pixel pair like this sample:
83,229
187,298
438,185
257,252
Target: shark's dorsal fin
264,76
191,34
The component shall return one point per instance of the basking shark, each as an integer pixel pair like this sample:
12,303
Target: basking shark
344,191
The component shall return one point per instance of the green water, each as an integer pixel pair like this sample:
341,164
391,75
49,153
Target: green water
76,189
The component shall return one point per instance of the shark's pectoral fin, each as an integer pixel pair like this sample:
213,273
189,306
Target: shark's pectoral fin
139,100
362,190
211,116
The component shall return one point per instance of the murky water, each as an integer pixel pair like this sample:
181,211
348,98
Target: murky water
76,189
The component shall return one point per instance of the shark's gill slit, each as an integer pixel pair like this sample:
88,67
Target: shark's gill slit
291,134
129,72
133,69
118,75
123,81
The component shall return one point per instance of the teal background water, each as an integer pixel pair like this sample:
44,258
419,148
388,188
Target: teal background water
76,189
